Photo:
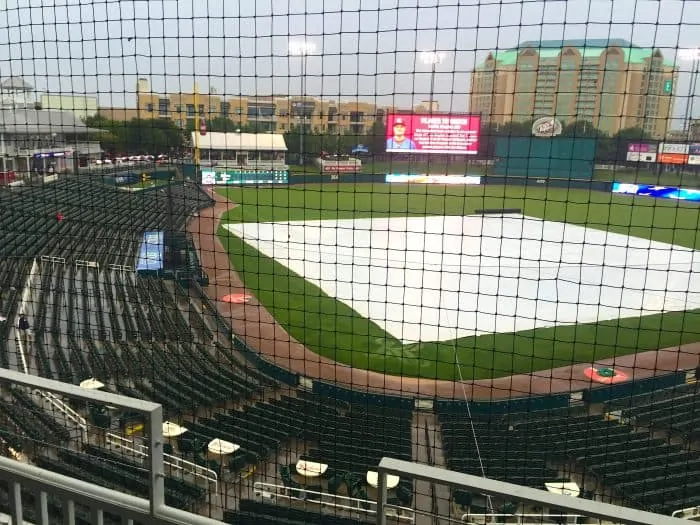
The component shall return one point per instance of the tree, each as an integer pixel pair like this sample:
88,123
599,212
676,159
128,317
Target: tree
376,137
582,129
137,135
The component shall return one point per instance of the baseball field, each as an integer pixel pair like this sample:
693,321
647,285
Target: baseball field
409,280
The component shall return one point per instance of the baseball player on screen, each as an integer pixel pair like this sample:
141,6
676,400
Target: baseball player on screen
400,140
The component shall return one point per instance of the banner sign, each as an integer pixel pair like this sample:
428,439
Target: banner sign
433,179
694,154
151,251
243,176
658,192
673,153
420,133
641,152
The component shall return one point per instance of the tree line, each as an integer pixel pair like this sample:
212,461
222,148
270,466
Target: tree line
609,148
155,136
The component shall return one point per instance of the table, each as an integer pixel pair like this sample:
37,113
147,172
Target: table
91,384
565,488
310,469
373,480
172,430
221,447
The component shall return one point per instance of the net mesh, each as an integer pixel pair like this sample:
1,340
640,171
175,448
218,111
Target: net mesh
456,233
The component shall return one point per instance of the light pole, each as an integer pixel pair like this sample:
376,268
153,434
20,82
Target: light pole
693,56
302,48
432,58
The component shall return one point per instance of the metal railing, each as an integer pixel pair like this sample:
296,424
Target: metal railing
140,452
57,403
361,507
99,500
489,487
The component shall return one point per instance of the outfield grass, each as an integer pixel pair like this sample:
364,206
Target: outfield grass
334,330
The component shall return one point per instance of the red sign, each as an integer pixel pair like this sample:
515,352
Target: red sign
456,134
672,158
335,167
202,127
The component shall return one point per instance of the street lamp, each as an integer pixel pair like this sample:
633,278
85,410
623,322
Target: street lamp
302,48
432,58
691,55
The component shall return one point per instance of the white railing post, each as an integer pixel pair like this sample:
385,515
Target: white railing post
381,496
156,486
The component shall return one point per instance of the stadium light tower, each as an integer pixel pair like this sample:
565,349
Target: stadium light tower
302,48
691,55
432,58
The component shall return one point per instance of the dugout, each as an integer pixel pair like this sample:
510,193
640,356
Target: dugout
538,157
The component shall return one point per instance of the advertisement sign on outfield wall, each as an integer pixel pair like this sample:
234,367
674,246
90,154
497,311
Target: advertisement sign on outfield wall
433,179
659,192
673,153
694,154
240,177
641,152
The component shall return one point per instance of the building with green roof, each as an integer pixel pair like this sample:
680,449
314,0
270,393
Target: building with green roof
612,84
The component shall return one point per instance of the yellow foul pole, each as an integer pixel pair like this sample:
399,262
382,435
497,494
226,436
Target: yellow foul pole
196,124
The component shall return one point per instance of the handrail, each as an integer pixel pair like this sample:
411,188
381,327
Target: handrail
361,505
68,412
59,405
492,487
141,450
538,518
98,499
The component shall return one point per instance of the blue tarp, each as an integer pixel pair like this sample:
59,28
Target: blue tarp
151,252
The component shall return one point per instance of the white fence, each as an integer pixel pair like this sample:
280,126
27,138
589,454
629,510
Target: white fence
364,508
140,452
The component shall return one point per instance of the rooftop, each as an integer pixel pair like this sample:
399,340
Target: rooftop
16,84
35,121
589,48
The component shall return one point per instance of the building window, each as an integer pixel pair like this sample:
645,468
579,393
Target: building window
225,109
190,111
163,106
201,109
332,114
178,109
149,107
239,111
261,111
303,109
357,116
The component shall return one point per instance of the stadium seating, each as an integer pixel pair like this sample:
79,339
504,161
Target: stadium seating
647,472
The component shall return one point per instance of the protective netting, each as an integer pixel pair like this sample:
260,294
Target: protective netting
322,233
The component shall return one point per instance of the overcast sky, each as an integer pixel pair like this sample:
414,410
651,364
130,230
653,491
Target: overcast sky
365,49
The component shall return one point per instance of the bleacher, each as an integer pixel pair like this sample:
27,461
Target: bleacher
102,224
647,472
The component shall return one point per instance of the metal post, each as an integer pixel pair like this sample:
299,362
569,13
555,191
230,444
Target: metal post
196,126
16,502
156,486
2,146
432,86
303,107
381,496
691,95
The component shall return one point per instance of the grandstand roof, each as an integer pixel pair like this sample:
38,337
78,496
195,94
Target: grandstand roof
16,84
241,141
589,48
37,121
